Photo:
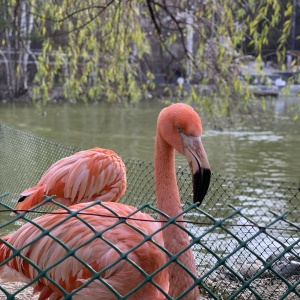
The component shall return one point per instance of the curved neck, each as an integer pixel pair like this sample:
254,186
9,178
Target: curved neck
167,194
175,238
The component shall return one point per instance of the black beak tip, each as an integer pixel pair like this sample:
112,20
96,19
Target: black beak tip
22,198
201,181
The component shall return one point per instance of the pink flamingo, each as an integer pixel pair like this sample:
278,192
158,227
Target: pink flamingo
82,177
106,238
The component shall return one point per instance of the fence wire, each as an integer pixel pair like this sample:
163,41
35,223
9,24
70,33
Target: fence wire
245,236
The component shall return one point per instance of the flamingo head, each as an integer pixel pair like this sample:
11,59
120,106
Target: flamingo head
181,128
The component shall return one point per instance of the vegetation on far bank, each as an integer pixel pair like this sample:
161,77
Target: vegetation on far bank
123,51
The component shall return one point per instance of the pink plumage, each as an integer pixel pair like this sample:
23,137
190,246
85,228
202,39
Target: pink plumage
87,175
102,239
97,252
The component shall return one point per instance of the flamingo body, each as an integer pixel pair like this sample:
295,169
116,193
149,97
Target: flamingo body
101,240
82,177
97,252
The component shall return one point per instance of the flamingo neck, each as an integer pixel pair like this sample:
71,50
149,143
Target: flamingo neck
175,238
167,193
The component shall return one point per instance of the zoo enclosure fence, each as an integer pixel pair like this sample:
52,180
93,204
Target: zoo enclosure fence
245,236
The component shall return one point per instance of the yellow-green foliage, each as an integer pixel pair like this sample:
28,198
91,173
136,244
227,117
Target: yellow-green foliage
96,49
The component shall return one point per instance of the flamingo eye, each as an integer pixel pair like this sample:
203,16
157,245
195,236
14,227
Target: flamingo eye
179,129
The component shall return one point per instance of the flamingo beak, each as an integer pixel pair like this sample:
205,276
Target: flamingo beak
199,165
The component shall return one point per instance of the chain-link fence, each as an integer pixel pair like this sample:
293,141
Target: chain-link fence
245,236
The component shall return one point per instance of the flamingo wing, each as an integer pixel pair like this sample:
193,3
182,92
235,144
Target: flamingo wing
70,248
82,177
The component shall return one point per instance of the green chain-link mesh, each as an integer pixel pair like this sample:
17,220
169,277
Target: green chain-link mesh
245,237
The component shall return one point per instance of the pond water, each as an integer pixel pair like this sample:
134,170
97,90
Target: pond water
268,149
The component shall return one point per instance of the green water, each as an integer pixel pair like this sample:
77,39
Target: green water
268,149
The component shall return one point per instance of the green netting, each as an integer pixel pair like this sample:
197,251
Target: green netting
245,236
